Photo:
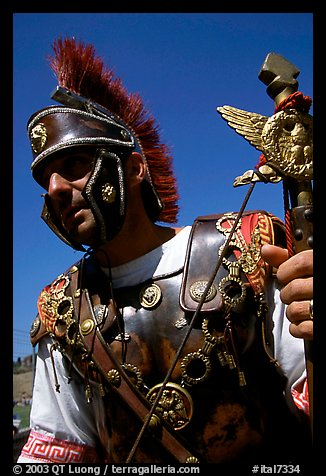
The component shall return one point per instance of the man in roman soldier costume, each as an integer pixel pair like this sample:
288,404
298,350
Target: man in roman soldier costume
160,345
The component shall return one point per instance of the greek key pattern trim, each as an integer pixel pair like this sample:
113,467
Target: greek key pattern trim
52,450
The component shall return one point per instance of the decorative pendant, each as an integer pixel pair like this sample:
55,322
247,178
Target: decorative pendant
231,287
196,366
175,405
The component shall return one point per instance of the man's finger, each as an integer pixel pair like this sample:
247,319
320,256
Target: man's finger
274,255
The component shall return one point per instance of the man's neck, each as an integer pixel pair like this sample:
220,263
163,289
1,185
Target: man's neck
127,245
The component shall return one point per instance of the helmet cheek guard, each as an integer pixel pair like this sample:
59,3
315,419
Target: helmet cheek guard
105,192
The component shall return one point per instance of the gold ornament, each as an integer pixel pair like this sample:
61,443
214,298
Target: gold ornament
175,405
192,460
150,296
108,193
114,377
284,138
87,326
38,137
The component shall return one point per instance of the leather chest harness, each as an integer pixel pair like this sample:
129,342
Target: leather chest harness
216,397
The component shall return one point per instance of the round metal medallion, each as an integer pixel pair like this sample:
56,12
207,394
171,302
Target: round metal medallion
87,327
198,288
150,296
175,405
114,377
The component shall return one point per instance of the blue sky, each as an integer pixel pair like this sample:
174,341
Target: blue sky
184,65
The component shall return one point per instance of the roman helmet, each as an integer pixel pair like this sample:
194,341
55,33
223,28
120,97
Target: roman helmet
97,112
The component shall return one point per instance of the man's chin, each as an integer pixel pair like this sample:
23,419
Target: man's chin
82,237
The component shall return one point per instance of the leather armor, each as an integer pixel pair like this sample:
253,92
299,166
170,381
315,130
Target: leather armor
224,401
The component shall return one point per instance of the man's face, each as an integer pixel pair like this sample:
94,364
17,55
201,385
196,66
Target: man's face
64,178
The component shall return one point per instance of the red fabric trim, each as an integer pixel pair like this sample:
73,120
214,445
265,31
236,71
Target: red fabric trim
301,398
243,235
53,450
295,101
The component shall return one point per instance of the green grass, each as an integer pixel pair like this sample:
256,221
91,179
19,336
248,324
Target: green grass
23,413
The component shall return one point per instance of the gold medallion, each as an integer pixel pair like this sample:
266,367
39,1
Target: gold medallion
38,137
114,377
150,296
87,326
175,405
108,193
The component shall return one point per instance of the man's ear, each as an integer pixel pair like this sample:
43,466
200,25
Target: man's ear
135,168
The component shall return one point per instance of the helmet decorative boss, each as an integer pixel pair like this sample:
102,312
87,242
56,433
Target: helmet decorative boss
96,111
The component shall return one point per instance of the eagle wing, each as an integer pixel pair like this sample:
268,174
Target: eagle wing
248,124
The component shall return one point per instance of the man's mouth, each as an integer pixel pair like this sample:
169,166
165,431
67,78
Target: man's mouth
70,214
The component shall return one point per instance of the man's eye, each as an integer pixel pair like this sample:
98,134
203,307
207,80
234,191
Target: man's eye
71,163
77,167
71,168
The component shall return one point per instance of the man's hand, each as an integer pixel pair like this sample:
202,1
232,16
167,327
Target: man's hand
295,274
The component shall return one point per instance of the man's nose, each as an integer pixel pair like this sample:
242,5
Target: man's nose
58,186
